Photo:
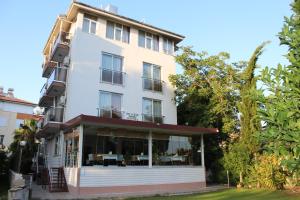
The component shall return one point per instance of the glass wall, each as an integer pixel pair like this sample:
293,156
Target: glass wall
108,148
176,150
115,149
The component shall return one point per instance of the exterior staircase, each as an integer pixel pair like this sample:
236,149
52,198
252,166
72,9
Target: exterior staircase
57,180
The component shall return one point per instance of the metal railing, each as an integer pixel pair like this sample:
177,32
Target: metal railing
112,76
43,90
59,74
152,84
153,118
53,114
109,113
61,38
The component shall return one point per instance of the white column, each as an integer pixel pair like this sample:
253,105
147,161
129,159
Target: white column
150,149
62,148
80,147
202,151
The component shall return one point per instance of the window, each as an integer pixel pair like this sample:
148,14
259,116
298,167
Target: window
1,139
176,150
111,70
152,77
110,105
117,31
148,40
57,146
115,148
89,26
168,46
152,111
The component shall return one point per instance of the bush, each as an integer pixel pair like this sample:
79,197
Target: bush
266,172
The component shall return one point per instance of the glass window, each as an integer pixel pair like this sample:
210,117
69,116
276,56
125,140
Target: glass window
168,46
155,43
176,150
86,25
110,30
117,31
110,105
148,41
152,77
141,38
89,26
126,33
111,70
115,148
152,111
93,27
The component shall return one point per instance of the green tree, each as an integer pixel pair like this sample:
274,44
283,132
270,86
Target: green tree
280,108
26,132
206,94
241,149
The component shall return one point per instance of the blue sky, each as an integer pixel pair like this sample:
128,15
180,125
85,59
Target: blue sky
233,26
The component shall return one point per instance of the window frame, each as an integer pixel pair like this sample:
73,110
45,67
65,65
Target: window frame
112,68
147,36
110,93
90,21
169,43
121,29
152,106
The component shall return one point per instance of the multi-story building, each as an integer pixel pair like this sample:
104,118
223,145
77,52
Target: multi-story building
110,116
13,112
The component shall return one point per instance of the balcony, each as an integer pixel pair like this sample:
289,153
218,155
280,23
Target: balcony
112,76
51,123
48,68
56,82
45,100
60,48
109,113
153,118
152,84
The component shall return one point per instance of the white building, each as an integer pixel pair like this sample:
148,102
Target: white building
110,119
13,112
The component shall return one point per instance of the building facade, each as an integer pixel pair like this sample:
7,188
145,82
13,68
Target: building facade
13,112
110,117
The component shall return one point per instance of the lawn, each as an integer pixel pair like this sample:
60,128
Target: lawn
232,194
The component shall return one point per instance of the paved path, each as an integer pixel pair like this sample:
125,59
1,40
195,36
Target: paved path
38,193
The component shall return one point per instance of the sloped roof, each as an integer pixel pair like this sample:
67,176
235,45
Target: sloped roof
16,100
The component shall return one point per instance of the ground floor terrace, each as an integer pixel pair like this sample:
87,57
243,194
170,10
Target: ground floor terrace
105,156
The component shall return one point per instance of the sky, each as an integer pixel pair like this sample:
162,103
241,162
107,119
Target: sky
234,26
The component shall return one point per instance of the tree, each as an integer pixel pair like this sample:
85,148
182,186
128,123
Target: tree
26,132
206,94
241,149
280,109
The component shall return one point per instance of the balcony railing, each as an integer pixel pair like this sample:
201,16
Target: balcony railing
62,38
109,113
43,90
152,84
59,74
53,114
153,118
112,76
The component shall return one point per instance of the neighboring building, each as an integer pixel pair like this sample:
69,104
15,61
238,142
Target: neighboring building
13,112
110,119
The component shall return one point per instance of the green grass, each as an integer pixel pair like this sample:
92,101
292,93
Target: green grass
232,194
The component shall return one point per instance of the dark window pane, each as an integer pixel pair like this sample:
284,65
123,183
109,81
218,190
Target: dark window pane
118,77
155,43
126,34
107,75
141,38
110,30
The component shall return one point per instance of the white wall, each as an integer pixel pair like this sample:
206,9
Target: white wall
18,108
105,177
53,160
71,176
83,83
